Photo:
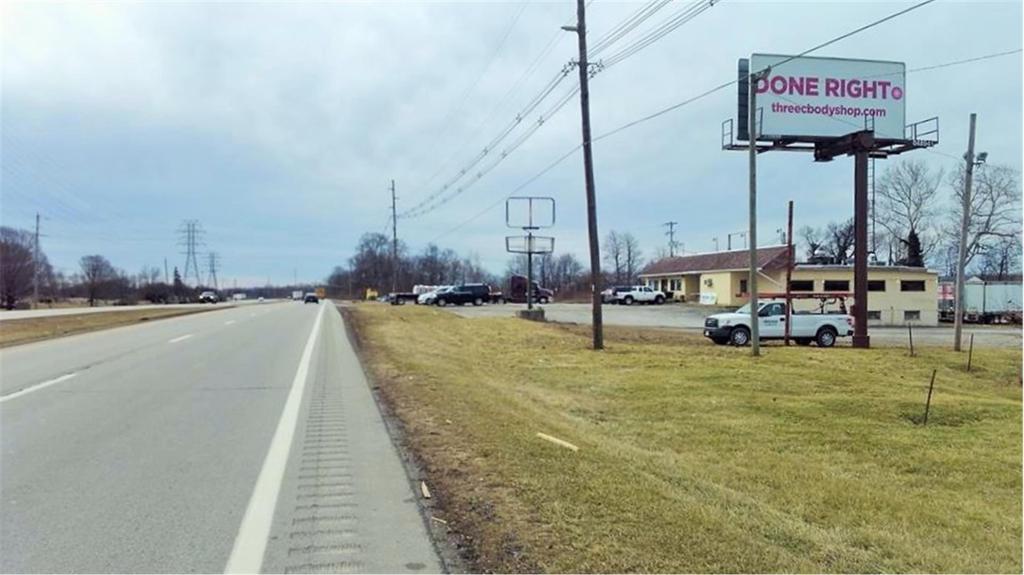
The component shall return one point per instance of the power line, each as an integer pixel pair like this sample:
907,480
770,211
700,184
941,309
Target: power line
666,110
442,196
446,121
672,23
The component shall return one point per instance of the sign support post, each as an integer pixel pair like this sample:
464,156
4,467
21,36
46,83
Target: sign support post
811,106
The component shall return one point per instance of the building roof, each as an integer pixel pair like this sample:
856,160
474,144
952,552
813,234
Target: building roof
994,278
768,258
873,268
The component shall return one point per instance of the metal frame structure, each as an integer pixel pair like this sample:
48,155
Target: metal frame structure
531,226
862,145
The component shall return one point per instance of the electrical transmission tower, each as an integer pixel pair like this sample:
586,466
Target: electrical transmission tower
671,233
191,237
213,258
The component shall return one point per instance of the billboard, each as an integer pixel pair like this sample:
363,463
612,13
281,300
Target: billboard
820,98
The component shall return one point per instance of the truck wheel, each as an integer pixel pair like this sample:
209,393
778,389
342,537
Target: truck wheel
826,337
441,302
659,300
478,302
739,336
543,300
628,300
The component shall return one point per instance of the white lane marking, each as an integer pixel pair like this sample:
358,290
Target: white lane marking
229,322
180,338
251,541
37,387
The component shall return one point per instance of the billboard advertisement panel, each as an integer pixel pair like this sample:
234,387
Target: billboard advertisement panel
828,97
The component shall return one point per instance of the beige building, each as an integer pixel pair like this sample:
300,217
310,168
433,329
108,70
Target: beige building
897,295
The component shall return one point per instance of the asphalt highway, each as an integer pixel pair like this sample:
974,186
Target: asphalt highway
240,440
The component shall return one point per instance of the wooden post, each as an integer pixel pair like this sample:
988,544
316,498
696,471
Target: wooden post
910,334
928,403
789,273
970,353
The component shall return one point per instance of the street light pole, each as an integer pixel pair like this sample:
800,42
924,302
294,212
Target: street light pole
755,332
588,171
958,320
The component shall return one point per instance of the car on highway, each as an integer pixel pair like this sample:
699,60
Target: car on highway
821,328
208,297
311,298
476,294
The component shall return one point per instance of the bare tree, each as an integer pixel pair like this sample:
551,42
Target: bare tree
839,241
632,256
97,274
16,265
613,250
1001,258
995,209
907,203
813,238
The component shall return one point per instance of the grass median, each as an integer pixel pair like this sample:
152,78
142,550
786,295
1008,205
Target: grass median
694,457
27,330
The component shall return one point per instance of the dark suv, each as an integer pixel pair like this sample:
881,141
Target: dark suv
475,294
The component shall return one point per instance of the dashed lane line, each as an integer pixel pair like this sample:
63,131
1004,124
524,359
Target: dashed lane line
37,387
181,338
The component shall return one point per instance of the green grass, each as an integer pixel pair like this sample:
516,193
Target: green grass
695,457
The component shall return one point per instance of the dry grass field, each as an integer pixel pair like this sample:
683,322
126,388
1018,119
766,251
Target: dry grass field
18,331
698,458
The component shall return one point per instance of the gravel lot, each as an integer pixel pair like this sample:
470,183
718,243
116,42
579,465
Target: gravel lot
690,317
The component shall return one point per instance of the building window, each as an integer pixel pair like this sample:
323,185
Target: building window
743,286
912,285
876,285
912,315
876,314
837,285
801,285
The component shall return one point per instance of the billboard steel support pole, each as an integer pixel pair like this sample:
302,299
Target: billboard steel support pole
860,250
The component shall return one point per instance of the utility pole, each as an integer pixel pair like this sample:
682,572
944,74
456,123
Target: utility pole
958,320
191,232
671,233
755,333
214,261
588,172
394,240
35,267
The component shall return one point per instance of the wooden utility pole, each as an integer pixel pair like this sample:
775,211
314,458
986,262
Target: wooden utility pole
394,241
588,172
958,320
35,267
790,260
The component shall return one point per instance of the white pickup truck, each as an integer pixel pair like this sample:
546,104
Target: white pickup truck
734,327
638,294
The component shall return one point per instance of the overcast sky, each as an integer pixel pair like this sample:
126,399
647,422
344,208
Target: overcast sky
279,125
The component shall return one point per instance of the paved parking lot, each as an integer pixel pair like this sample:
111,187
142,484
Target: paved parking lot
690,317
